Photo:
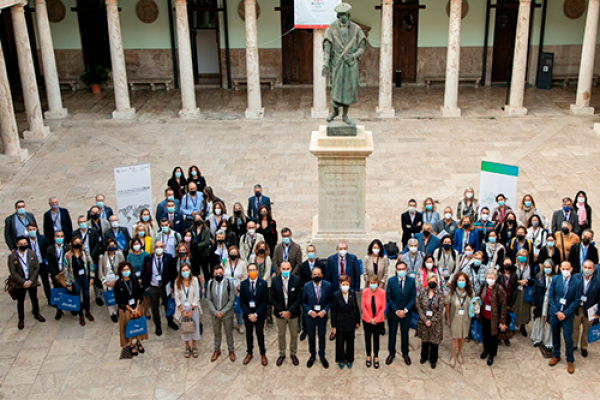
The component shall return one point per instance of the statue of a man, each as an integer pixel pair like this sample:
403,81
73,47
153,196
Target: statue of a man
344,45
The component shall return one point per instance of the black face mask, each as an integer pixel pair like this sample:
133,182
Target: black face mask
520,237
446,246
77,245
507,267
233,257
193,192
317,279
23,248
95,217
261,251
220,241
426,234
565,231
510,221
585,241
218,278
182,254
257,194
432,285
237,212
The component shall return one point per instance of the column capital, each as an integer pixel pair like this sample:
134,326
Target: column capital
250,1
19,6
110,2
181,2
387,2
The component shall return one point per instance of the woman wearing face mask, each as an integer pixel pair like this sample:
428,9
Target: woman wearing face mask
261,257
475,270
376,263
345,319
128,296
237,222
457,313
79,276
468,205
446,258
216,217
235,271
508,229
201,244
536,234
464,235
518,243
508,279
492,316
549,251
267,226
194,175
229,235
493,251
584,213
525,279
565,239
542,331
136,258
527,210
187,302
500,212
147,241
107,264
429,211
483,226
430,328
373,314
209,201
178,183
150,228
427,268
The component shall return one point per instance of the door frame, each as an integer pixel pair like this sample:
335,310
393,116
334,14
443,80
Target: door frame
281,8
215,11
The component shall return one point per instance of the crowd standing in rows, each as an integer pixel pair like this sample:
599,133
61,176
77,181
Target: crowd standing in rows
485,274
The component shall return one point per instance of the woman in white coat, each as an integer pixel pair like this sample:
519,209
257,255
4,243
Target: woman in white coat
187,301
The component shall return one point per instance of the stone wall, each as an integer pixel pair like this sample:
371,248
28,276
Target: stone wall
269,61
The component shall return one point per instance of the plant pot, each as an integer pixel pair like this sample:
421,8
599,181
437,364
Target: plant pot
95,88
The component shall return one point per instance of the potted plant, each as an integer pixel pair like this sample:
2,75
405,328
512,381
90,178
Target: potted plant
94,76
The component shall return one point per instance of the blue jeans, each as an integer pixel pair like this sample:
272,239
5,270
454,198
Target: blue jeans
81,285
567,327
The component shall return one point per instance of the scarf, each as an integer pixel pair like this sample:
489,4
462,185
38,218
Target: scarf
581,213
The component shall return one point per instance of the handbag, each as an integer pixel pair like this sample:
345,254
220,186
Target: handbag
414,320
55,295
10,287
187,326
476,331
170,307
109,298
136,327
69,302
513,320
594,333
61,278
528,294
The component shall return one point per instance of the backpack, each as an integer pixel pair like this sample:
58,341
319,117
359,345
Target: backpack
391,249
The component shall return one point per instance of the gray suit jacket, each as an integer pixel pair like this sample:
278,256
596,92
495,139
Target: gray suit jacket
227,298
558,218
294,257
16,271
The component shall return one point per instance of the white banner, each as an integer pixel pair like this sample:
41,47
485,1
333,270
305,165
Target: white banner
497,178
133,185
314,14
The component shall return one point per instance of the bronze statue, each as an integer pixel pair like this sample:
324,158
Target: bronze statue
344,45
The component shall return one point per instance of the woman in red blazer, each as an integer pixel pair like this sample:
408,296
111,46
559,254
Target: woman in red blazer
373,314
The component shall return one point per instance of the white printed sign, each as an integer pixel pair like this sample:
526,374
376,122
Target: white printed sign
497,178
133,185
314,14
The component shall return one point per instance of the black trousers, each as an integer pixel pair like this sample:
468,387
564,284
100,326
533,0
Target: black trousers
44,275
316,327
156,296
429,351
393,322
21,301
344,347
372,331
259,327
490,342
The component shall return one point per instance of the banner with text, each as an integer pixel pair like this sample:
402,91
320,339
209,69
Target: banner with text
314,14
497,178
133,185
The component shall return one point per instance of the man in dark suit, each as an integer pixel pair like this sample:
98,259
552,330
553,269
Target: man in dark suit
254,299
104,211
161,208
400,294
565,296
56,261
57,219
256,201
589,298
39,244
286,297
340,264
174,217
345,319
92,243
316,301
23,268
305,274
412,220
119,234
15,225
566,213
583,251
157,276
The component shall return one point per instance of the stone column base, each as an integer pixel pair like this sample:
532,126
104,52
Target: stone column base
597,127
40,133
127,114
515,111
385,113
314,113
575,109
21,157
450,112
56,114
255,114
189,114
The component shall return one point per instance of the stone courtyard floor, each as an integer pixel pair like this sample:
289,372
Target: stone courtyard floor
418,154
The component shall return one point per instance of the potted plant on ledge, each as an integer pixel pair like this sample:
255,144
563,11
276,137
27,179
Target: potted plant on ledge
94,76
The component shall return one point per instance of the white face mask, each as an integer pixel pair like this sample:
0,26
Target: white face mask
115,224
485,217
581,199
566,273
345,288
448,216
411,209
159,251
217,211
490,281
413,249
136,247
469,195
251,232
429,265
342,253
376,251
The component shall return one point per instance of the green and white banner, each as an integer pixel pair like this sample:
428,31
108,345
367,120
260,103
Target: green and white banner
497,178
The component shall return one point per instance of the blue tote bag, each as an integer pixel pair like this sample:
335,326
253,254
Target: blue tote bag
136,327
170,307
513,320
109,297
414,320
68,302
55,295
528,294
476,331
594,333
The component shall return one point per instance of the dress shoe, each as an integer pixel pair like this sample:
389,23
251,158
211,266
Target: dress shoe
280,360
173,325
433,365
215,355
264,360
247,358
575,348
553,361
81,320
232,356
302,336
114,318
58,315
21,324
295,360
423,360
341,365
310,362
40,318
570,367
389,359
89,316
407,360
324,362
584,353
537,344
483,355
490,361
507,343
523,331
158,330
349,365
74,313
99,301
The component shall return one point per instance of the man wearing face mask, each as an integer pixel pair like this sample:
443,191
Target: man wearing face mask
565,240
583,251
104,211
428,243
169,237
316,301
55,256
287,251
589,298
248,241
221,297
158,272
175,220
343,263
237,222
57,219
483,226
413,258
412,220
93,246
256,201
39,244
447,224
96,221
15,225
119,234
286,297
254,299
565,296
161,208
192,204
305,273
401,293
565,214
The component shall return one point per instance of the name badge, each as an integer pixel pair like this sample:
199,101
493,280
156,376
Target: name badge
520,288
563,301
131,302
317,307
488,307
461,312
429,313
158,277
252,304
584,298
81,272
138,274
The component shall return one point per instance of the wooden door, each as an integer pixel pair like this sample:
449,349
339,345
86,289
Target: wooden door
204,31
296,50
505,32
405,42
93,28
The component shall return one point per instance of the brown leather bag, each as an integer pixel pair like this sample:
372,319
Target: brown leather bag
10,288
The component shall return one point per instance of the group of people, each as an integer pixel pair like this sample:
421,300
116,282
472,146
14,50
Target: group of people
483,274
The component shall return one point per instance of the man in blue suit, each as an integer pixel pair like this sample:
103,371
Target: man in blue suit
589,298
400,294
161,208
254,299
39,244
565,296
340,264
256,201
174,217
316,300
427,242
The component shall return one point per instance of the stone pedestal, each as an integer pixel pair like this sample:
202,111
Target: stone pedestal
342,189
